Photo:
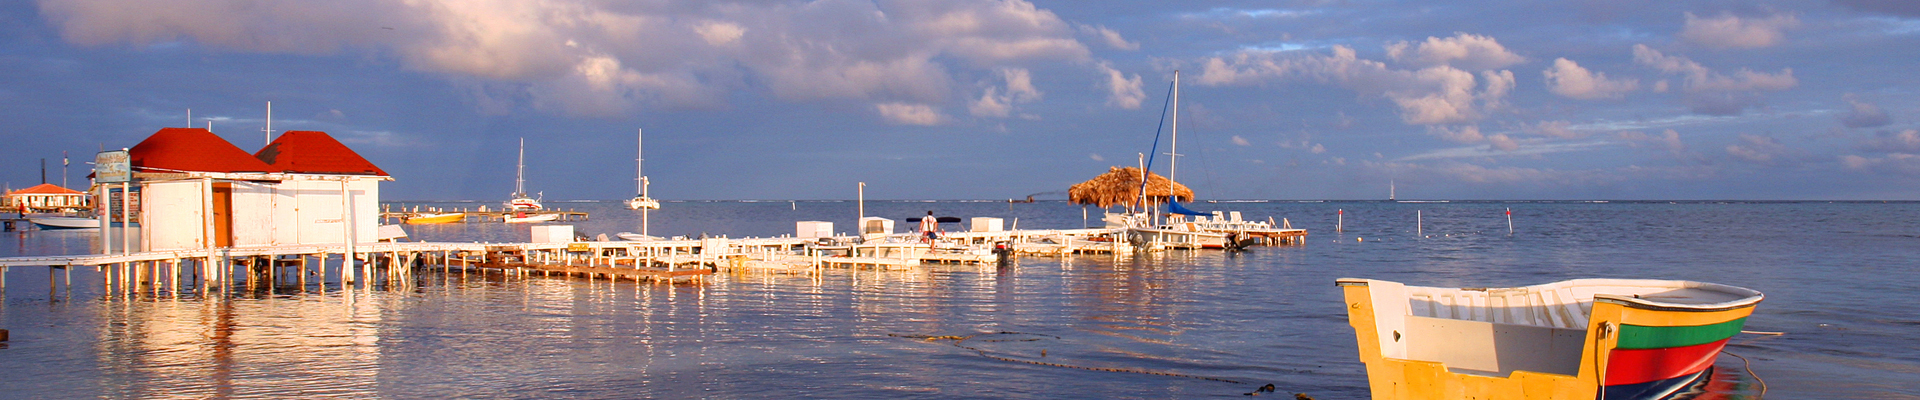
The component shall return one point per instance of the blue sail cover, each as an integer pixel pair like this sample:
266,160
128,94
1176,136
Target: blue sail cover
1173,207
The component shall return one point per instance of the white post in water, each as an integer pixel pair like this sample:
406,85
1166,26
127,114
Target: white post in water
863,208
104,211
347,268
1340,221
1509,221
1419,224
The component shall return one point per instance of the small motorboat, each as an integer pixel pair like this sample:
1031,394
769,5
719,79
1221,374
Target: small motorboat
525,218
49,222
1585,339
436,218
635,237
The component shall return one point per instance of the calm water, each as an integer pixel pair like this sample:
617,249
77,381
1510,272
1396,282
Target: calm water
1838,277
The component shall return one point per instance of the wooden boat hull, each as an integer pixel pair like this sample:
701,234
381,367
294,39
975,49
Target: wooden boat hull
442,218
1488,345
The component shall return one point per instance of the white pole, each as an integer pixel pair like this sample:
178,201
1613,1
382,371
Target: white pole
1509,221
103,211
347,267
269,129
1419,224
639,160
1173,153
1340,222
126,217
519,173
863,209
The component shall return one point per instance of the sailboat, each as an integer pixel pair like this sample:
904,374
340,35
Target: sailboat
1226,230
520,201
641,201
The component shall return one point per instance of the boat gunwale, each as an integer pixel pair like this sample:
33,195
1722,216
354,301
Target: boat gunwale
1750,297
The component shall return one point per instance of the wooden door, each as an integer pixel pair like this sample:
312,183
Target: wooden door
223,214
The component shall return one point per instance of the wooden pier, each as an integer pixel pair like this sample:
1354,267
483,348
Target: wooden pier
471,216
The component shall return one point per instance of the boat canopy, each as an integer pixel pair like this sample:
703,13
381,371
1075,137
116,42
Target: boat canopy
1174,207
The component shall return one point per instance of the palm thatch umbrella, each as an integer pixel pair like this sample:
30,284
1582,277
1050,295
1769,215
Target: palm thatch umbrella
1121,186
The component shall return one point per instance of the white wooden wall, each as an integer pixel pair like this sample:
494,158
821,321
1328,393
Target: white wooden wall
172,218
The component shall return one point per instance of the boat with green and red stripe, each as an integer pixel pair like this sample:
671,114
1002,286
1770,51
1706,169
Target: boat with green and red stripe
1585,339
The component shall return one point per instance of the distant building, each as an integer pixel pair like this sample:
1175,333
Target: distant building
196,190
46,198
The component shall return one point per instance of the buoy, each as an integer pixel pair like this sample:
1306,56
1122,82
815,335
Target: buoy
1359,240
3,335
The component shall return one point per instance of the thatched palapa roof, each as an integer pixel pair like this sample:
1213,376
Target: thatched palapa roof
1121,186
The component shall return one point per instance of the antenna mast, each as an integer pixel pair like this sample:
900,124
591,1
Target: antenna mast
520,171
269,129
640,160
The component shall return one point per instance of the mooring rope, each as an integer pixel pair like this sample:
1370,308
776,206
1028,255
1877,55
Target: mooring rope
1749,366
958,341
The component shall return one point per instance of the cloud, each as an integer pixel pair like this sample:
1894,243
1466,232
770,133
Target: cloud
998,102
1109,37
1122,91
1240,141
1902,164
1907,141
1502,142
1714,93
1427,96
909,114
1758,149
1731,32
1897,7
607,58
1096,157
1554,129
1863,114
1466,134
1668,140
1567,79
1463,50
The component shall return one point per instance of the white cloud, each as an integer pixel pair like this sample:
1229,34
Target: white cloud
1758,149
1463,50
1428,96
1109,37
1122,91
1555,129
1503,142
1240,141
591,57
1096,157
909,114
1668,140
1714,93
1566,78
1897,163
1729,31
998,102
1862,114
1907,141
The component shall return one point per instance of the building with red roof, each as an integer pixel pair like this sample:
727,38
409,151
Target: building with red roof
196,190
191,150
314,152
45,198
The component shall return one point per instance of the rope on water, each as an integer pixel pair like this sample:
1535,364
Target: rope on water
957,341
1749,366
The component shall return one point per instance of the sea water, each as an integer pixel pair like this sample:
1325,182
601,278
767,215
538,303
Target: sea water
1839,280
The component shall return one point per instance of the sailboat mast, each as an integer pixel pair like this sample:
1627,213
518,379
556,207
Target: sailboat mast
520,171
1173,154
640,160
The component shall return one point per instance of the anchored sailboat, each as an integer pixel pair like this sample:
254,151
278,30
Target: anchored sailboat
641,201
520,201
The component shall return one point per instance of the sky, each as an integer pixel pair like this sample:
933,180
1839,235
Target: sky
985,99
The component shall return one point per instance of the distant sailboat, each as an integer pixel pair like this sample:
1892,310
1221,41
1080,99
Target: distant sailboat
641,201
520,201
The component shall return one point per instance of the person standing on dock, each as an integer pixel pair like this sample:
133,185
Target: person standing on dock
930,226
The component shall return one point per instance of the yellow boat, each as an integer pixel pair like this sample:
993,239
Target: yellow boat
1583,339
436,218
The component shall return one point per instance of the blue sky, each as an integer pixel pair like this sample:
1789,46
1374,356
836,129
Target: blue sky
1603,99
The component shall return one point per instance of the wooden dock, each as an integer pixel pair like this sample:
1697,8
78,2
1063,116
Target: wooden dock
471,216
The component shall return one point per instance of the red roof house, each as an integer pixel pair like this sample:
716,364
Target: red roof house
191,149
314,152
47,188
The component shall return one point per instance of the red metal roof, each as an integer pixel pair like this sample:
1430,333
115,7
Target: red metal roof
315,152
191,149
46,188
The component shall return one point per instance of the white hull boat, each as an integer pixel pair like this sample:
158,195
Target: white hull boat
530,218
